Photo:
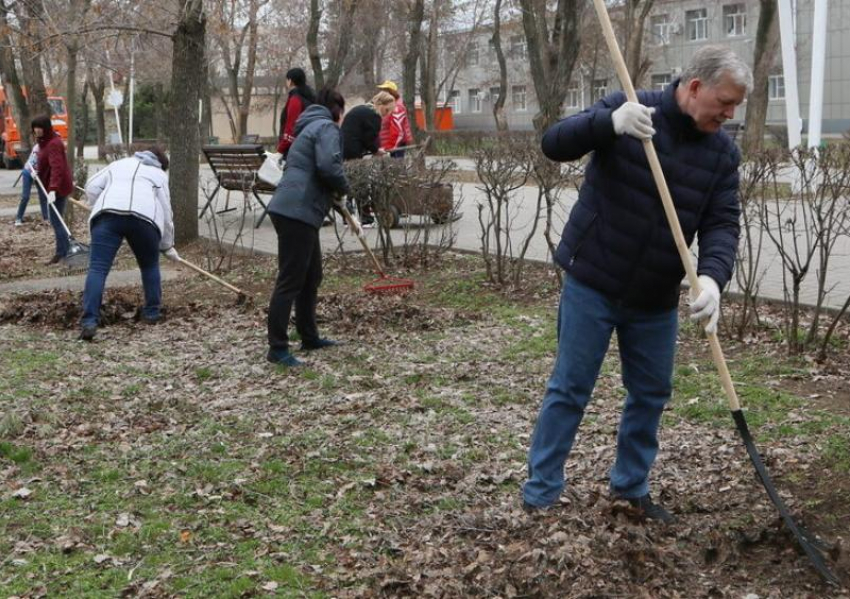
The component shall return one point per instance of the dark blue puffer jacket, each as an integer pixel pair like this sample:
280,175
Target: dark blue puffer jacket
313,172
617,239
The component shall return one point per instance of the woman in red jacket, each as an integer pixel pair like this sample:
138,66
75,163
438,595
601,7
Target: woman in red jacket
56,177
300,97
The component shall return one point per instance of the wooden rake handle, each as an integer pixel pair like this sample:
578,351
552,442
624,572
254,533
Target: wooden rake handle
667,201
362,239
208,274
182,261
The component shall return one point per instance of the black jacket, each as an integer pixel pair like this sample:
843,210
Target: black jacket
617,239
361,129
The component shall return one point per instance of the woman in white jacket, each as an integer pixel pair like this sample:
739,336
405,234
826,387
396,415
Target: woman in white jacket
129,200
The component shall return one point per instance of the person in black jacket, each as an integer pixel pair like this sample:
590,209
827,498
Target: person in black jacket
623,268
361,130
312,182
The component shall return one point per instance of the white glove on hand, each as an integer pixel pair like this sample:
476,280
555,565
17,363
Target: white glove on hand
707,304
51,197
634,119
171,254
355,226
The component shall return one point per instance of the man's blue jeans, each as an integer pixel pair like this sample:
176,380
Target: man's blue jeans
26,190
62,241
107,233
647,343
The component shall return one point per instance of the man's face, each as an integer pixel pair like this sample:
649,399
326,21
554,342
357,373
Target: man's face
712,105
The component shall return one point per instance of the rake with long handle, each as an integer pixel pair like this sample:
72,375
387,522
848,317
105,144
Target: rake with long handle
77,258
384,284
242,295
804,538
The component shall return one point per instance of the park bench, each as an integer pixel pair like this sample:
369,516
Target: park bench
235,169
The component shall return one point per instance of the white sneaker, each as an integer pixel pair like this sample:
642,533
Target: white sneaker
18,222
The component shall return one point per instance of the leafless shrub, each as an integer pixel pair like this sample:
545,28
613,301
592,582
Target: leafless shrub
804,226
393,189
504,168
230,226
749,271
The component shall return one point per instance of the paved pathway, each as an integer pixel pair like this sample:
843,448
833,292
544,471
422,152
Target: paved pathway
120,278
236,227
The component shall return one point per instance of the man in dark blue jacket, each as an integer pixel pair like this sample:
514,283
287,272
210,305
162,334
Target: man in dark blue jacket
623,269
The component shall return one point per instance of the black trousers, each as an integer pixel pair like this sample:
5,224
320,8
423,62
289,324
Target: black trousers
299,258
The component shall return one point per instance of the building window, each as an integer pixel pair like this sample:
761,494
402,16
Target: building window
472,54
600,89
735,20
776,87
661,27
454,101
518,98
661,81
573,97
494,95
518,46
474,100
491,51
697,24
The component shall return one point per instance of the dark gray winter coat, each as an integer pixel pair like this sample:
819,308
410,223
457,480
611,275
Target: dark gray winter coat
313,173
617,239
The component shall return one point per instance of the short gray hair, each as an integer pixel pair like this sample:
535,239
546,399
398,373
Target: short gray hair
710,63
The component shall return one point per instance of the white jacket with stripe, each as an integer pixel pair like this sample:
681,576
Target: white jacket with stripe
136,186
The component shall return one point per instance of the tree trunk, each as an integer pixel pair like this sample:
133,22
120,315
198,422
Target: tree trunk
767,40
345,29
71,101
83,131
636,13
250,67
97,86
313,44
428,58
499,104
187,68
551,57
11,81
411,58
30,15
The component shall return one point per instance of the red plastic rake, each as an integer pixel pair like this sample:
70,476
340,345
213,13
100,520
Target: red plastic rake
383,284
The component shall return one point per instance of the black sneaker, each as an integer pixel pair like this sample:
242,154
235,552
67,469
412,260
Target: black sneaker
318,344
282,357
54,260
87,332
651,510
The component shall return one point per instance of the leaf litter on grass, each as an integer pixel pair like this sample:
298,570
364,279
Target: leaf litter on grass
389,466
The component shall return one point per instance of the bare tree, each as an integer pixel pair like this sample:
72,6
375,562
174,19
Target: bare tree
551,52
635,25
187,70
236,27
499,104
767,40
11,80
341,23
411,56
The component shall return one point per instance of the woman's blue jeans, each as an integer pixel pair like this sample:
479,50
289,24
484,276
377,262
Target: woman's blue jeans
647,343
108,231
26,190
62,241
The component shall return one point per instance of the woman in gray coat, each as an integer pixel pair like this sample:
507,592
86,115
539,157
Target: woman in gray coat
313,178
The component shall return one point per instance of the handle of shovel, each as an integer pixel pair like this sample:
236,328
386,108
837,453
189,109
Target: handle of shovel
667,201
347,215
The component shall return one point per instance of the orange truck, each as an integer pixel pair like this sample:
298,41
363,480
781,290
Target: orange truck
10,133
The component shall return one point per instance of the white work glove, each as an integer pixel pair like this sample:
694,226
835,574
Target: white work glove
355,226
171,254
51,197
633,119
707,305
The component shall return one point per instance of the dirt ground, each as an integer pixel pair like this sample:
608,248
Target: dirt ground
446,380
